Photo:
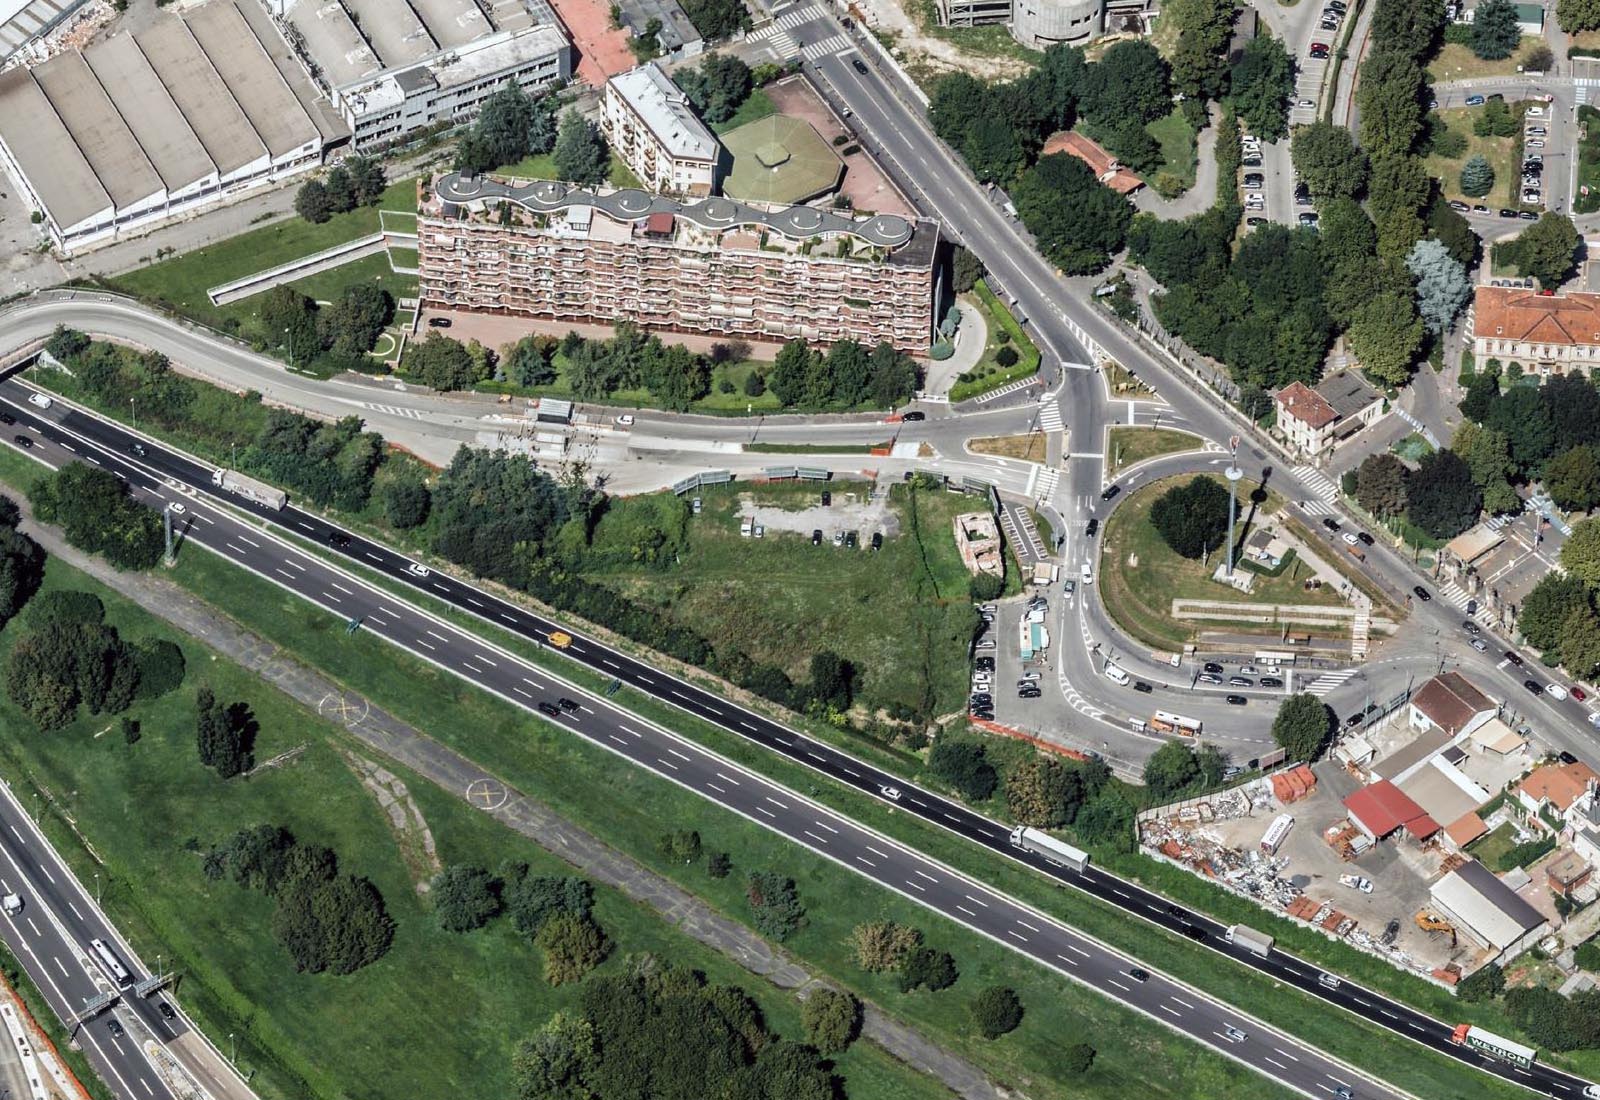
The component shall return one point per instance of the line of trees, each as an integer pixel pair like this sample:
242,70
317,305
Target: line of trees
353,182
327,921
98,515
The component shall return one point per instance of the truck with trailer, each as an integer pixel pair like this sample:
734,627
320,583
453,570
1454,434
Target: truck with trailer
1056,851
248,487
1487,1042
1257,943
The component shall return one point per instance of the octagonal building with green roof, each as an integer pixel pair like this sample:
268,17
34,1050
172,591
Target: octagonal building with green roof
779,160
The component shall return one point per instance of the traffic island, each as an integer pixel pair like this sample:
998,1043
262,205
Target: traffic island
1151,592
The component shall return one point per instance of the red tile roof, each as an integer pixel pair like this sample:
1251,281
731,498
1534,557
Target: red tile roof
1382,808
659,224
1306,405
1465,829
1100,162
1449,701
1560,783
1514,313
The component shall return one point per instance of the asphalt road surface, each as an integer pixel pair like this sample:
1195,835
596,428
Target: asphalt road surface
163,476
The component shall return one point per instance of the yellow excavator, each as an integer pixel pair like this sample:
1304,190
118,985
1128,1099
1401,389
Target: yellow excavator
1432,922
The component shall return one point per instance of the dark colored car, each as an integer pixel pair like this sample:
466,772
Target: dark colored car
1271,682
1212,666
167,1012
851,540
1568,758
1139,974
549,708
1111,491
338,539
858,65
7,419
1504,213
1354,720
22,441
816,537
1193,932
1142,687
1330,523
1528,216
439,322
877,540
1514,657
114,1026
1422,593
1091,527
915,414
984,664
827,498
1255,221
1534,687
566,704
1028,693
1470,627
1238,700
1366,538
137,449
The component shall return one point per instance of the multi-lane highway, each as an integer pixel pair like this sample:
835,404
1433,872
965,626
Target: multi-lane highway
253,541
52,937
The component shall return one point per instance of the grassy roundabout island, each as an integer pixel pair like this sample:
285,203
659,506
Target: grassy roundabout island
1140,575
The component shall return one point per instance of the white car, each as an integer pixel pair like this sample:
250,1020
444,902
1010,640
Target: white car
39,400
1535,112
1350,537
987,643
1555,690
1234,1034
626,420
1255,196
418,570
891,793
177,508
1309,104
1535,143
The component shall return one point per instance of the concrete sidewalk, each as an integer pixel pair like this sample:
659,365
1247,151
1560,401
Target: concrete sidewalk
483,791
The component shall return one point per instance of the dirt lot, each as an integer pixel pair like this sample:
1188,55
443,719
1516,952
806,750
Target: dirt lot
864,185
851,510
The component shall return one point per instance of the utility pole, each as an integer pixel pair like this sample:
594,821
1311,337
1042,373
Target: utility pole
171,556
1233,474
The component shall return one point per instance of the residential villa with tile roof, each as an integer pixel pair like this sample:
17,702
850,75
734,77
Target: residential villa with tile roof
1105,167
1314,418
1545,333
1556,787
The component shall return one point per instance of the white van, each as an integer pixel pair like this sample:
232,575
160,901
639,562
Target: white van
1555,691
1087,576
40,400
1116,675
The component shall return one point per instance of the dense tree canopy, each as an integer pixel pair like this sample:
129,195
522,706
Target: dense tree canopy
1260,86
1327,159
1442,284
717,87
1381,485
1547,607
96,513
1495,34
1303,726
580,154
1442,497
1192,518
965,766
1078,221
510,125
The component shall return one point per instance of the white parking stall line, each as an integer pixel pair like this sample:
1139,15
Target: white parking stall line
668,763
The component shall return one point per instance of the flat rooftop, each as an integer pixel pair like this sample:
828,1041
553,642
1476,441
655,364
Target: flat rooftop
190,79
453,22
162,131
66,185
663,107
316,105
279,119
332,39
498,52
95,125
889,231
394,31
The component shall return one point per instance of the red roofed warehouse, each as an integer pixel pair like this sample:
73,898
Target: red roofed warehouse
1381,808
1546,334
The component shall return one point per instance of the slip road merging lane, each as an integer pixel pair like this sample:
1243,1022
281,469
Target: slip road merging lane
473,658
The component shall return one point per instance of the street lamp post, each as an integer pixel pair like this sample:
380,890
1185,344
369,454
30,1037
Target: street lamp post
1233,474
133,412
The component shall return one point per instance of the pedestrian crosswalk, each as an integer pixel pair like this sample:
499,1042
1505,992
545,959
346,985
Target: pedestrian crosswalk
1050,415
1586,86
1328,681
827,47
1319,484
776,34
1019,384
1045,488
393,410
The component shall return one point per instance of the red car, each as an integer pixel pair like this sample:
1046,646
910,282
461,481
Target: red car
1578,693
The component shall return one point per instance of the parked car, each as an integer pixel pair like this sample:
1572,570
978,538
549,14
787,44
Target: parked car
1212,666
816,536
1253,221
1142,687
1528,216
439,322
1241,681
1474,101
1422,593
1210,678
1351,537
1366,538
1354,720
1459,206
1308,219
1534,687
1480,209
1513,656
1330,523
1578,693
1504,213
1271,682
914,415
1255,179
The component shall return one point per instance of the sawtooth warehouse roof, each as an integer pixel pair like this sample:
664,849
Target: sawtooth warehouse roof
185,103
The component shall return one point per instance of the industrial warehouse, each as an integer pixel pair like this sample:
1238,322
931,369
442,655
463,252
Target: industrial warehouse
144,126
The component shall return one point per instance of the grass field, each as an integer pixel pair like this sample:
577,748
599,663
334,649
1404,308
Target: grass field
988,374
1130,445
182,281
902,616
1029,448
542,166
1455,61
374,1033
1139,597
1588,161
1177,139
1501,152
757,107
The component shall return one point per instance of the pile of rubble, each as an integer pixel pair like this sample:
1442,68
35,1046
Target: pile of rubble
1322,914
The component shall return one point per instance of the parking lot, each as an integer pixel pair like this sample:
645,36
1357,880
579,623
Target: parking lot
1015,686
848,510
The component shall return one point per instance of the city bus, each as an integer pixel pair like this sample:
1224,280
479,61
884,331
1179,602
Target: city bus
113,965
1167,722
